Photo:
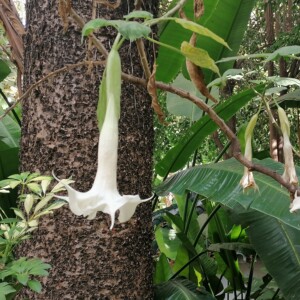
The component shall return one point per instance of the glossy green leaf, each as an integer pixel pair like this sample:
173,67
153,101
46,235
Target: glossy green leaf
180,289
227,18
220,183
9,132
199,57
167,242
278,246
163,270
177,157
4,70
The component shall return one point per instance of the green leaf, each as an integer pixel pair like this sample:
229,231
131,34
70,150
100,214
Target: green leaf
139,14
5,289
163,270
167,242
9,132
180,106
19,213
284,51
227,18
278,246
4,70
28,203
23,278
220,183
197,28
35,286
34,187
199,57
180,289
131,30
177,157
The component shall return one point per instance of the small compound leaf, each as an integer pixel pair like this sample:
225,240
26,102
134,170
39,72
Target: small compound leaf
28,203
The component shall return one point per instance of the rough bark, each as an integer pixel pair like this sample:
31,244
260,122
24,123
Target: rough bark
60,133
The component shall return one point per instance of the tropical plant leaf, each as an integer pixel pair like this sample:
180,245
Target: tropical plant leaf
180,289
227,18
163,271
220,183
278,246
4,70
177,157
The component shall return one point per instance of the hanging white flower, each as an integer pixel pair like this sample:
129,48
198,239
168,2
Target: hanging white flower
104,195
289,168
247,180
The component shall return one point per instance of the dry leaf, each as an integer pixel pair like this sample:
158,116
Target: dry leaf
197,76
151,87
198,8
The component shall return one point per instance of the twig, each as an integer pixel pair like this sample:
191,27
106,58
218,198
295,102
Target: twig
9,105
95,41
52,74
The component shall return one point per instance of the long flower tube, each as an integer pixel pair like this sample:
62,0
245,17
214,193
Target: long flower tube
104,195
247,180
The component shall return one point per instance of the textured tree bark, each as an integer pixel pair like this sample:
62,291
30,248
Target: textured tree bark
60,133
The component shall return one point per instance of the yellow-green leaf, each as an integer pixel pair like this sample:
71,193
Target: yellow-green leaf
28,202
199,57
200,30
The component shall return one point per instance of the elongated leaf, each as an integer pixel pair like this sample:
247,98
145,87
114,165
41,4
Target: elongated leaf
220,183
180,289
278,246
9,133
199,57
177,157
226,18
4,70
163,269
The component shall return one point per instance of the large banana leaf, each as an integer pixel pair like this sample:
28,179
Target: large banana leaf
278,246
180,289
220,183
177,157
226,18
9,132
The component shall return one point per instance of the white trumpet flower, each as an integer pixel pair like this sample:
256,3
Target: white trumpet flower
247,180
289,168
295,205
104,195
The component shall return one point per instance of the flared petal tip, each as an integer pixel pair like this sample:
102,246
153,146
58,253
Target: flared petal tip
295,205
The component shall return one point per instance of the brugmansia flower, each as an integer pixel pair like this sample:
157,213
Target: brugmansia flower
289,167
104,195
247,180
296,203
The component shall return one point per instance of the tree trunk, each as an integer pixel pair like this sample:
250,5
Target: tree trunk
60,134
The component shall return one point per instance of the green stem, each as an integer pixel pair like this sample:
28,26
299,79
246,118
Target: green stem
205,224
190,215
188,263
164,45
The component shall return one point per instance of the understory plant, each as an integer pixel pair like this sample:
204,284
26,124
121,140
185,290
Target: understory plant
36,199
